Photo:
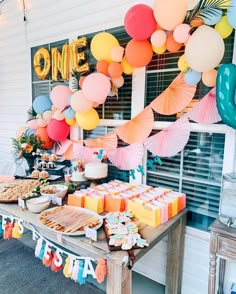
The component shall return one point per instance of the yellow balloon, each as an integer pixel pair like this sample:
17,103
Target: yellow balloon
70,121
87,120
182,64
223,27
78,59
42,53
159,50
61,63
101,46
127,68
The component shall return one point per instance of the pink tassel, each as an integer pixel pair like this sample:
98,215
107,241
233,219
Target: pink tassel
101,270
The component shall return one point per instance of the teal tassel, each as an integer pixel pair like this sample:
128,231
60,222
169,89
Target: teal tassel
1,230
81,280
41,253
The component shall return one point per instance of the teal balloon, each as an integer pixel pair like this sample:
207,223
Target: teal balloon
41,104
231,14
192,77
69,113
225,94
213,18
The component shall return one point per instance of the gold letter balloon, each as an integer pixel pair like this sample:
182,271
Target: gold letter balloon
42,69
61,63
77,58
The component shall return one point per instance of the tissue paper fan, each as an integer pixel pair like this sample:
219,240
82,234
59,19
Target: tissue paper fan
126,158
108,141
138,128
205,112
61,147
87,153
171,140
175,98
69,153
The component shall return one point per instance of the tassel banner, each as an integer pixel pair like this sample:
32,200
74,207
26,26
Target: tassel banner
11,227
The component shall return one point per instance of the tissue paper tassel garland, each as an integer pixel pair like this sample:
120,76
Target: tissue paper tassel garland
1,230
38,247
75,271
101,270
8,227
16,231
66,271
56,265
41,253
81,280
48,261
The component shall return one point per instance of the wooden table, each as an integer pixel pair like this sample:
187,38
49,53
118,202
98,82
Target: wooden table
119,277
222,245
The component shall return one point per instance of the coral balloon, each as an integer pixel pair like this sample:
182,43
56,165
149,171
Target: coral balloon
58,130
171,44
101,45
223,27
96,87
209,78
169,13
80,103
81,80
159,50
87,120
181,33
158,38
127,68
59,96
117,53
139,22
204,49
138,53
115,69
118,82
41,104
43,136
102,66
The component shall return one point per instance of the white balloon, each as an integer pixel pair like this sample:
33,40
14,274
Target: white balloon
191,4
204,49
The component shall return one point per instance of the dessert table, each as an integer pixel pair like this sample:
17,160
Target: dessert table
119,276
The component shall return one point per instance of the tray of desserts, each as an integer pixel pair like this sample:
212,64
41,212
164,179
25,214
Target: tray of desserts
49,178
70,220
12,190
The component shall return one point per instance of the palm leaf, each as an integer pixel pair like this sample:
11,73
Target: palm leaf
31,114
207,9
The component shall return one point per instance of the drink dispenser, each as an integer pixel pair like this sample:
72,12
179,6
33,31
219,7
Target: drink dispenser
227,212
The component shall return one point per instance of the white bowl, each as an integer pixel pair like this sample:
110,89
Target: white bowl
37,205
54,190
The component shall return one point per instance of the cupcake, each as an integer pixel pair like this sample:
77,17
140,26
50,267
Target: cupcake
51,164
35,174
53,157
43,174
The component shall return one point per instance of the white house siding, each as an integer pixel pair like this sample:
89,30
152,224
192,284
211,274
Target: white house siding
53,20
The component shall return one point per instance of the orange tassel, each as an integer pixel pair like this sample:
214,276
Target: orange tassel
101,270
8,231
47,262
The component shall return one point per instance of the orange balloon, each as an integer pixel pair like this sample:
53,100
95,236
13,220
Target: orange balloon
138,53
70,121
196,22
102,67
81,80
115,70
43,136
171,44
209,78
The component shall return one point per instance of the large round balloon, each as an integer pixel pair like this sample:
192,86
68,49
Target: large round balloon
225,94
138,53
204,49
41,104
169,13
115,70
80,103
101,45
139,22
209,78
59,96
58,130
96,87
42,133
87,120
102,67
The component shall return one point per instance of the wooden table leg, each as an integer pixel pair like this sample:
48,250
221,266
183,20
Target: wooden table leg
175,258
212,264
221,276
119,279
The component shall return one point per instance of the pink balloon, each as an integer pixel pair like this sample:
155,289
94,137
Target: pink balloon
117,53
58,130
58,115
95,104
80,103
41,122
47,115
118,82
32,124
96,87
181,33
59,96
158,38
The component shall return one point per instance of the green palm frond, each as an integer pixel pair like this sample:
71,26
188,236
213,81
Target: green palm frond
207,9
31,114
